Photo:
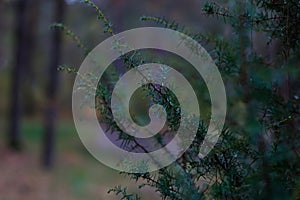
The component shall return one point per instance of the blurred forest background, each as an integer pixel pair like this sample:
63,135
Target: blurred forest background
76,174
40,152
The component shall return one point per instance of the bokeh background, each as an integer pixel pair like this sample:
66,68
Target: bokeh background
63,169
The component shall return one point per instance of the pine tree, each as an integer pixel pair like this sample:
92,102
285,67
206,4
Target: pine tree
257,156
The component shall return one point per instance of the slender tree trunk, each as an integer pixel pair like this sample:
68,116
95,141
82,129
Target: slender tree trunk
32,20
21,59
51,111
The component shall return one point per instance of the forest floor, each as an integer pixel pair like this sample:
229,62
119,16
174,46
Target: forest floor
76,174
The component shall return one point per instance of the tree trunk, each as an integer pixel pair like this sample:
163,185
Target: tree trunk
51,110
32,21
21,60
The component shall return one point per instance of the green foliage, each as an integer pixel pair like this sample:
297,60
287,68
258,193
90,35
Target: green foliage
101,16
118,190
72,35
277,18
257,156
